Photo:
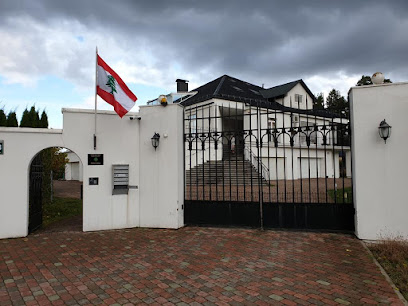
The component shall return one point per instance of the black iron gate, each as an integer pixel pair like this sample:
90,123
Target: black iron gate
264,164
35,194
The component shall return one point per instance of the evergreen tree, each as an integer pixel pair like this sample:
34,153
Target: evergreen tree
25,119
34,117
319,102
3,119
336,103
12,119
44,120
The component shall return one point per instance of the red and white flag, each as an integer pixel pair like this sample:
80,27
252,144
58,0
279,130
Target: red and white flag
113,90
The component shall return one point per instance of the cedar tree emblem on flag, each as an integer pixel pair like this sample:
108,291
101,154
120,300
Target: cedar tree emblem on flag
113,90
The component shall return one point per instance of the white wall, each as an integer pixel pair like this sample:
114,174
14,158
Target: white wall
122,141
289,99
162,171
380,170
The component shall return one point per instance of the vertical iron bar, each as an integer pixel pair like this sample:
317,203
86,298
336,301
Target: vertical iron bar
343,157
325,159
269,156
216,150
308,151
280,217
223,135
276,157
292,143
209,150
229,158
203,148
196,153
317,159
300,131
334,161
284,153
243,149
351,159
260,182
250,150
191,136
237,178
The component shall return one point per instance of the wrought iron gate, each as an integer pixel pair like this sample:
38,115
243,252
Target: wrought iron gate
35,194
263,164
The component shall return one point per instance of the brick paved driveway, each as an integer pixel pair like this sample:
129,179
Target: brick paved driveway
190,265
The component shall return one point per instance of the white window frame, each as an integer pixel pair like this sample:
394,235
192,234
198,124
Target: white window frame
271,127
298,98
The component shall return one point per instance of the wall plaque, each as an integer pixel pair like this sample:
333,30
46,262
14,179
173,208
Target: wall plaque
94,181
95,159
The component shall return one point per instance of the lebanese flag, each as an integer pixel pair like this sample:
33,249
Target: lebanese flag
113,90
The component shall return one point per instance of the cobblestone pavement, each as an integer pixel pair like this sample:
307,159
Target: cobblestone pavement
189,266
290,191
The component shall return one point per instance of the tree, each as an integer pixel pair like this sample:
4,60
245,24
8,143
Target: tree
44,120
31,118
12,119
319,102
336,103
59,161
3,119
25,120
34,117
366,80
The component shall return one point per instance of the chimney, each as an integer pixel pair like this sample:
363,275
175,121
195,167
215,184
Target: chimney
182,85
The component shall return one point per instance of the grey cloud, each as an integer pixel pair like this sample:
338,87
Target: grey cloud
259,41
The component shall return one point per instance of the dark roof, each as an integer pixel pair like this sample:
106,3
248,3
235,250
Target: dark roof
281,90
228,88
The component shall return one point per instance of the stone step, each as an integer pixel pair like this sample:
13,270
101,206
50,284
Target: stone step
231,171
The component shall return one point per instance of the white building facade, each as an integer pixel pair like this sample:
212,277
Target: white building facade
274,118
73,168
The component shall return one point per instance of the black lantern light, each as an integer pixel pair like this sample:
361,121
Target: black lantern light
384,129
155,140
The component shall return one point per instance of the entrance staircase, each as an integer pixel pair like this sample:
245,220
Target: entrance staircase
234,170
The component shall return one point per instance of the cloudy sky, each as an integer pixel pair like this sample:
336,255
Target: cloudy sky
47,47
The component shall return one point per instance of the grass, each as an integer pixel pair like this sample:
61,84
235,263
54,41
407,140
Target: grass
345,194
60,209
392,254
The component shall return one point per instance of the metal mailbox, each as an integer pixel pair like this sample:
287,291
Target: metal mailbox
120,178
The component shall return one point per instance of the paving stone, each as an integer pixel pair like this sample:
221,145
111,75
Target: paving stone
322,282
341,301
276,297
190,266
53,297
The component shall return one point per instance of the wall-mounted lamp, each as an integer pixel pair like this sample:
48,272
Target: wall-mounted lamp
384,129
155,140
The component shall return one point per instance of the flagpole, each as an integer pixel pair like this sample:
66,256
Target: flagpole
96,84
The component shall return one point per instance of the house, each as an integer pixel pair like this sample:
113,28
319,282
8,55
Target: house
73,168
276,129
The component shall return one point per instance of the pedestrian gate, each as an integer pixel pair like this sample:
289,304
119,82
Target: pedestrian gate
35,194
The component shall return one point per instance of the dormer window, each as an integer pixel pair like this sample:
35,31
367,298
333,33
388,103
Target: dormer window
298,98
